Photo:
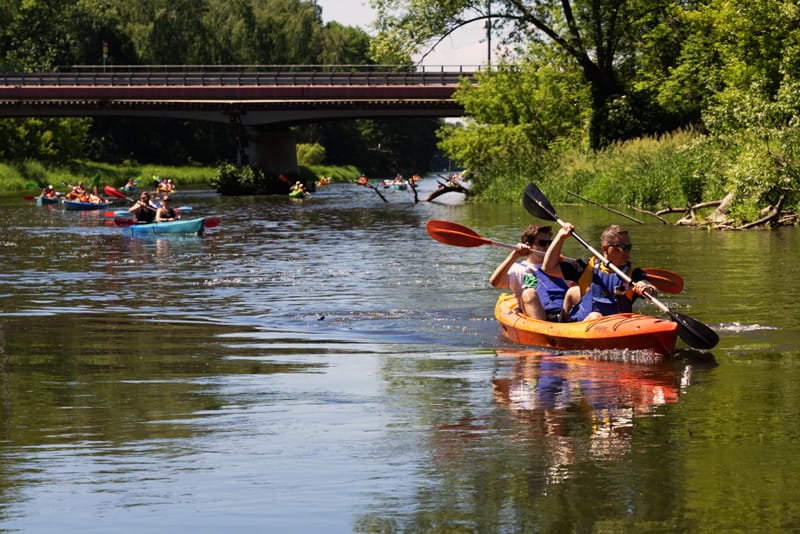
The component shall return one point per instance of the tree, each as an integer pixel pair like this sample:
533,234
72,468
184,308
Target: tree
599,36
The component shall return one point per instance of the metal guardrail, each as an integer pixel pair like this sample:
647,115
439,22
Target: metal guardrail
240,75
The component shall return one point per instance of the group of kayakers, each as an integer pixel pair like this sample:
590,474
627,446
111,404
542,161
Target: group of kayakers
148,209
79,193
164,185
551,287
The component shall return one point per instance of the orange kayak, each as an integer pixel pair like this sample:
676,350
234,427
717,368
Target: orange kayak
622,331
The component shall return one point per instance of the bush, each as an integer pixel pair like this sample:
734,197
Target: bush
310,154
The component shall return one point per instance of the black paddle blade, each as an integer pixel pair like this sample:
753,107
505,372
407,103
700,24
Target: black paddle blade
693,332
537,204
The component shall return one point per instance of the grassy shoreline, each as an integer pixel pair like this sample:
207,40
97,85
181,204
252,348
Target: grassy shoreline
33,175
30,176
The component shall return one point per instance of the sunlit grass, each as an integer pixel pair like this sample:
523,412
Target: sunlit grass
33,175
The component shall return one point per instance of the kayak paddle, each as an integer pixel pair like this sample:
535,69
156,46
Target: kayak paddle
110,191
691,331
455,234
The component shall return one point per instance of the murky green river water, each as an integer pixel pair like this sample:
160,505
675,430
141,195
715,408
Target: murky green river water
325,366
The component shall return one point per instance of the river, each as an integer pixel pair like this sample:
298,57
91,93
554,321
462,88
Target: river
325,366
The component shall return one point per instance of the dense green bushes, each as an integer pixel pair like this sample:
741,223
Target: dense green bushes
674,170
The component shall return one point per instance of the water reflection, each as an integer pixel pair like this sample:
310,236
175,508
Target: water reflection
604,394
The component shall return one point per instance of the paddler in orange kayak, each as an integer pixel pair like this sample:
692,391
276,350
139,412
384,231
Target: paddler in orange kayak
539,295
599,290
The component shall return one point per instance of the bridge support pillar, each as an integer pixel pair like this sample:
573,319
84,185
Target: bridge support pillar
271,149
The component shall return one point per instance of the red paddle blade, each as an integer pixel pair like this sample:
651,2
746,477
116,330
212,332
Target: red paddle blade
110,191
211,222
451,233
665,280
29,197
124,221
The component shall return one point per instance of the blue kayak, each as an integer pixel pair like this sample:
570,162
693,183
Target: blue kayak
181,226
77,205
41,201
183,210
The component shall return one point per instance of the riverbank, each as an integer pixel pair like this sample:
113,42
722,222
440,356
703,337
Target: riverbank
33,175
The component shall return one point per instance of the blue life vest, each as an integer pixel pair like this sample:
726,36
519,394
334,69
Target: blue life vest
606,295
551,291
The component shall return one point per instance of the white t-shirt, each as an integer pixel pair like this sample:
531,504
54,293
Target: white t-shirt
516,275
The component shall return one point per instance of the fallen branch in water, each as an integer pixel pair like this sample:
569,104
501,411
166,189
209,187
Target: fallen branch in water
363,182
447,187
612,210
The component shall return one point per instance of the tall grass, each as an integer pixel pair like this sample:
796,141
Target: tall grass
648,172
33,175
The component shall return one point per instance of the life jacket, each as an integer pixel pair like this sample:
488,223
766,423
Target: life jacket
145,215
551,291
605,291
168,213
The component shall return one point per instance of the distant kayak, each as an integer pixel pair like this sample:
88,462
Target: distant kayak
77,205
298,194
181,226
43,201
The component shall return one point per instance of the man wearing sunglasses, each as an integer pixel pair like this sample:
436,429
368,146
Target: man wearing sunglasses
599,290
539,296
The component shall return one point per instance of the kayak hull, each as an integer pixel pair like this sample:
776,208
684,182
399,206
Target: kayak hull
181,226
76,205
43,201
613,332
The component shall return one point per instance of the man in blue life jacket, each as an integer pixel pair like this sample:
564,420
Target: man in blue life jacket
599,290
539,295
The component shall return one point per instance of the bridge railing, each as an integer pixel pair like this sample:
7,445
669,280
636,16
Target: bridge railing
242,75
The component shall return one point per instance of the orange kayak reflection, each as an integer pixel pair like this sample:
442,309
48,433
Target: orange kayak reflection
606,391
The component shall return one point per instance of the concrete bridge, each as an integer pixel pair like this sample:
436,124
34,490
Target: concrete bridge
260,101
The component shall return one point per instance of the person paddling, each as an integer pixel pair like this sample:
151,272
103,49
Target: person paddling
143,210
539,295
599,290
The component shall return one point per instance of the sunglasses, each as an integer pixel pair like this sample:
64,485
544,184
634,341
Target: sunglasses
541,242
624,248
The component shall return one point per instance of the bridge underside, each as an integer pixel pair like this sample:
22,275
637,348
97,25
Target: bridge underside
251,113
264,112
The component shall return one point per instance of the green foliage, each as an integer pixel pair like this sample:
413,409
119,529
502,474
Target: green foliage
347,173
233,180
48,139
648,173
545,97
11,179
18,176
249,180
310,154
599,39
